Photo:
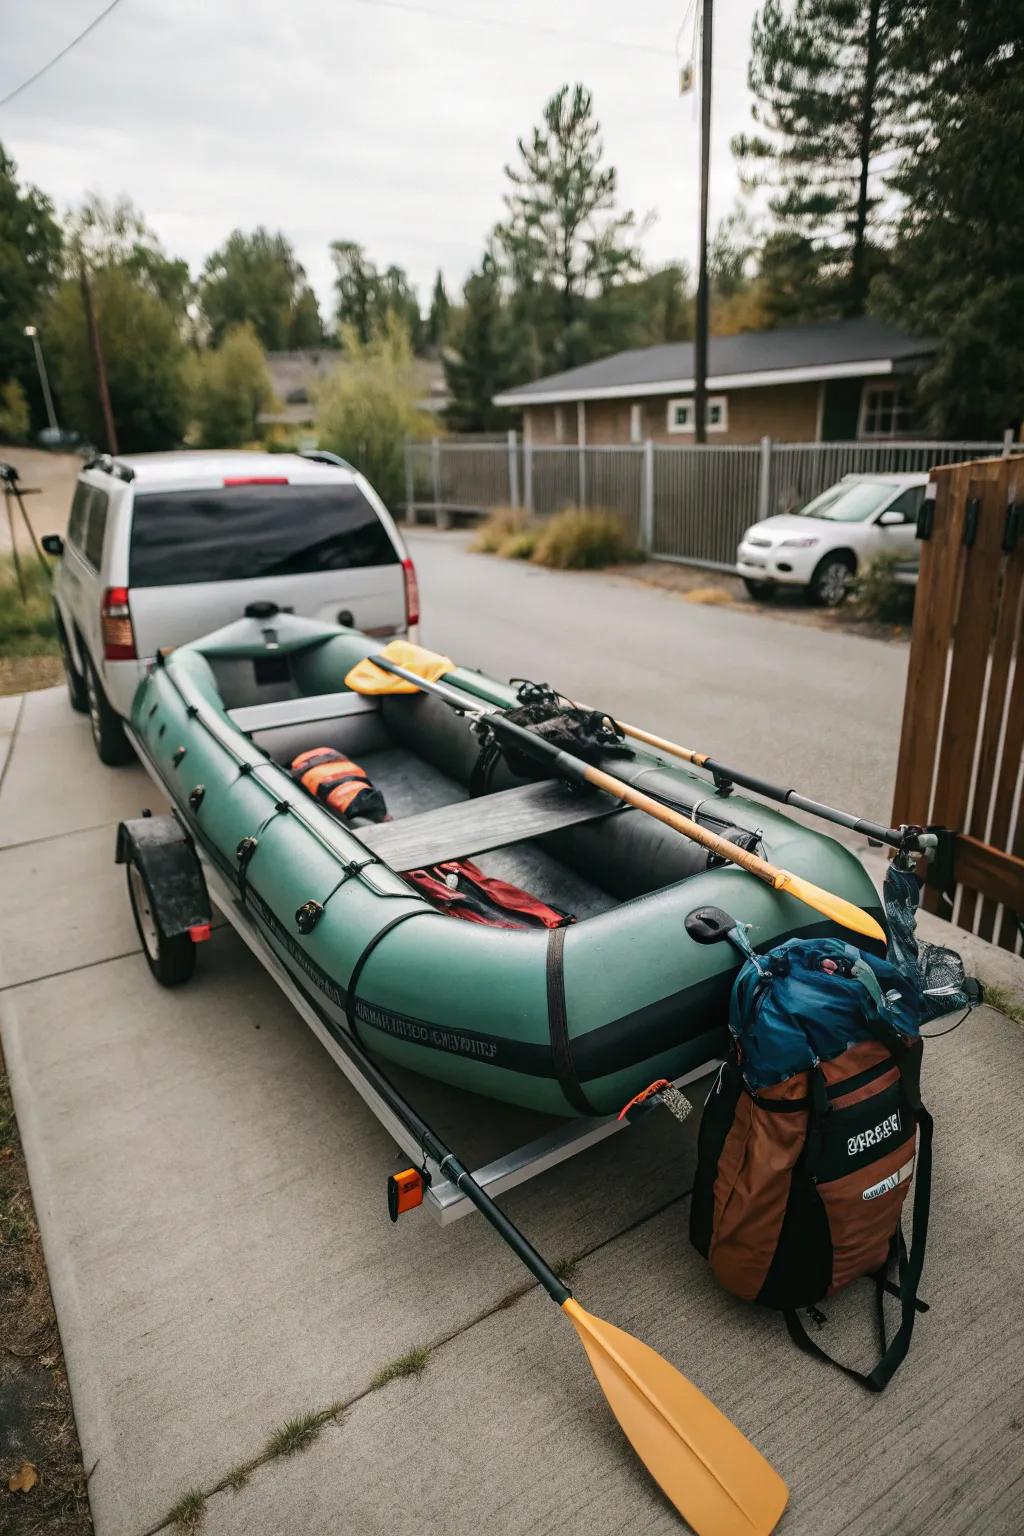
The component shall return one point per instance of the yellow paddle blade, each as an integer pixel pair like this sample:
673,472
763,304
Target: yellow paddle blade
718,1481
840,911
366,678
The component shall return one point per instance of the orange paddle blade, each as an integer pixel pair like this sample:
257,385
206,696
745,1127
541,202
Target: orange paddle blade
717,1480
836,907
366,678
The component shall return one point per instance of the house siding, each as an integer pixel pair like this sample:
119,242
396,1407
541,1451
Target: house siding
789,413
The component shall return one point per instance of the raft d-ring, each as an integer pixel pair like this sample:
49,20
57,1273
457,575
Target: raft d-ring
308,915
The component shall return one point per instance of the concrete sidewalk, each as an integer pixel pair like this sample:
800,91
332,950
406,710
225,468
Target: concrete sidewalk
211,1198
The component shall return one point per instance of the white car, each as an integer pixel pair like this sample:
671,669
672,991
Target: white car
823,545
164,547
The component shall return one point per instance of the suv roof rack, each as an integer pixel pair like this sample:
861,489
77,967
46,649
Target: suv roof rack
110,466
321,456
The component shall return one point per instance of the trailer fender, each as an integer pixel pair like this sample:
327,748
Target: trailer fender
165,856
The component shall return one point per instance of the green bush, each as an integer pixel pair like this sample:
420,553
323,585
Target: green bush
503,524
14,418
230,388
367,407
26,628
879,596
578,540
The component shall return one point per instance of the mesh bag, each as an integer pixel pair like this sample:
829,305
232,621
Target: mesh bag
939,971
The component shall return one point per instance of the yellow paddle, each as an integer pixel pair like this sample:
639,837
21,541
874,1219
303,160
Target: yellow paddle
717,1480
564,765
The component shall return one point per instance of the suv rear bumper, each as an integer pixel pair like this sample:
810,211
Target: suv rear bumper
120,680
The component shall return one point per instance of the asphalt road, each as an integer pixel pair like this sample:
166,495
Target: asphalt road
817,710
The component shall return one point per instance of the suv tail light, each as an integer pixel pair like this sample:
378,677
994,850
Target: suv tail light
412,593
116,626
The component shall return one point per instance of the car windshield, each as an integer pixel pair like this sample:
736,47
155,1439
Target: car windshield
848,503
246,531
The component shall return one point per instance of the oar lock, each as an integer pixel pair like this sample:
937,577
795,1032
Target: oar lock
707,925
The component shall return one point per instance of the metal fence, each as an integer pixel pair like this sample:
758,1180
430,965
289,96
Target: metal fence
679,503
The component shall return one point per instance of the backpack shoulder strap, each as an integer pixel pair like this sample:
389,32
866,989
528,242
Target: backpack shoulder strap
910,1267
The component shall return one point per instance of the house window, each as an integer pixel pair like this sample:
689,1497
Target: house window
559,424
636,423
682,415
886,410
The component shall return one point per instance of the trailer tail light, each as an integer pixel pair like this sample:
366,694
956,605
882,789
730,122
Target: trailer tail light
412,593
116,626
255,479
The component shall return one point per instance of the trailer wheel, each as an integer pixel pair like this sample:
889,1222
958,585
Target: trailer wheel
171,960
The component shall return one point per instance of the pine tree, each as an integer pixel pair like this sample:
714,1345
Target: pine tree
439,316
830,103
489,355
563,239
957,273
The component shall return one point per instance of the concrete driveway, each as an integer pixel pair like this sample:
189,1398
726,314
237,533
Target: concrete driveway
211,1192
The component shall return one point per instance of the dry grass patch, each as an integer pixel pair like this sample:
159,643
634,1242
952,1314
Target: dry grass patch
504,524
711,597
583,540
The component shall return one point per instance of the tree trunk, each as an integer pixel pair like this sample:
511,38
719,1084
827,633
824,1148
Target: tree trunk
858,290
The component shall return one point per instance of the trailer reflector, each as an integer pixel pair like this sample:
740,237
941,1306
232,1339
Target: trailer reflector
405,1192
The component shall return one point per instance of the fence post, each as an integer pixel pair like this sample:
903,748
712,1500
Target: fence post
440,516
513,468
647,499
527,473
1007,443
410,485
765,479
581,449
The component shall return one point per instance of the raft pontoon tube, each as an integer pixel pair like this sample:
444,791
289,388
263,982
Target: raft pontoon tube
572,1020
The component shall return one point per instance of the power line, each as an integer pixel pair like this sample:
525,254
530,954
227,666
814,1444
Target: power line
512,26
58,56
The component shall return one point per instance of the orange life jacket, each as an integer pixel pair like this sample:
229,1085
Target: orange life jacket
339,784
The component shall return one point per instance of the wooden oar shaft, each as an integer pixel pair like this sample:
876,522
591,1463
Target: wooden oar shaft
721,846
890,835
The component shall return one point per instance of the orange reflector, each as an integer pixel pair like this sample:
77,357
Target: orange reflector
199,932
405,1192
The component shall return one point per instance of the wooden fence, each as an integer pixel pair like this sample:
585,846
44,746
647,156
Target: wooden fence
962,743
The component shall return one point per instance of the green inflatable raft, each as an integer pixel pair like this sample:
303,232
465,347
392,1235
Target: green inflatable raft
573,1020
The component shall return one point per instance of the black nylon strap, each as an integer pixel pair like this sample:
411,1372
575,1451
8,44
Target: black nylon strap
910,1267
558,1025
368,949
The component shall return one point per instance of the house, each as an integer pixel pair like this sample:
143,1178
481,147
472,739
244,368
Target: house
296,377
838,381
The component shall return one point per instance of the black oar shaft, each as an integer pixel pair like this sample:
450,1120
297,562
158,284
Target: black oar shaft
453,1169
890,835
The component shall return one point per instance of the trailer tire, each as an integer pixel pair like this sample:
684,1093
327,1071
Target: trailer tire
171,960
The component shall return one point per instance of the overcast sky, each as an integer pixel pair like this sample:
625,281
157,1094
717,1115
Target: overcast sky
387,122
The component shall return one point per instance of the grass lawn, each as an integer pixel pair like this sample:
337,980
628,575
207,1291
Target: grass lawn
29,655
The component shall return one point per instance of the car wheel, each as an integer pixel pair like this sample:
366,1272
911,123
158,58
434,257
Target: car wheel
760,591
78,696
831,581
171,960
109,739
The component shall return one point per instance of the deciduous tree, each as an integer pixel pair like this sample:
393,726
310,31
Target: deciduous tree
255,279
30,267
230,387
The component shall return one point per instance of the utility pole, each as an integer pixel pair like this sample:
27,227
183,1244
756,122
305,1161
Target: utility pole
32,333
97,361
700,342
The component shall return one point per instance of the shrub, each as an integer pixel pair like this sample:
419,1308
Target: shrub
14,417
578,540
504,523
231,386
521,545
879,596
367,407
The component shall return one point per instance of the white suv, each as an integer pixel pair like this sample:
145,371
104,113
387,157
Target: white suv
822,546
164,547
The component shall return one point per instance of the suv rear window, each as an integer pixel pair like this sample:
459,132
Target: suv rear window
235,532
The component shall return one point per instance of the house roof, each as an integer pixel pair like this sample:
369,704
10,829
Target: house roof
834,349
